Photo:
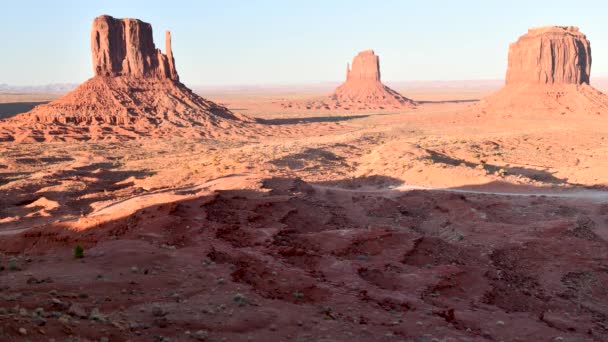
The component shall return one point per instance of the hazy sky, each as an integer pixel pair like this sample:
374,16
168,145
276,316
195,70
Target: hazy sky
248,42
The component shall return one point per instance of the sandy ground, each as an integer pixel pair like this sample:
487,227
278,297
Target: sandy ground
440,223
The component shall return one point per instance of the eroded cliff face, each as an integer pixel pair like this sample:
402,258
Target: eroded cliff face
363,88
365,67
548,73
550,55
125,47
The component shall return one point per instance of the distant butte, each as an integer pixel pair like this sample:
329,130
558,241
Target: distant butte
135,92
549,68
362,90
363,85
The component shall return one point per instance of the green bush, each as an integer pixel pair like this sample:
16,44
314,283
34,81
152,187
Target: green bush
78,252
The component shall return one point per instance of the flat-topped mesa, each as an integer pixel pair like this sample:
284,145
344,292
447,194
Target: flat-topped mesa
550,55
548,72
365,67
125,47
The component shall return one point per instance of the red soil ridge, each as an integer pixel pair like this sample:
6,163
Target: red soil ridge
135,92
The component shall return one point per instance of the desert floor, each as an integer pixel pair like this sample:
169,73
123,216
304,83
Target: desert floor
440,223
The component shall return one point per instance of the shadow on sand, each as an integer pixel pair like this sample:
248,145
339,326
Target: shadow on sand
11,109
328,246
74,190
448,101
292,121
537,175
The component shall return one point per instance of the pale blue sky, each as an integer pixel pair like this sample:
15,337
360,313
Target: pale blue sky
247,42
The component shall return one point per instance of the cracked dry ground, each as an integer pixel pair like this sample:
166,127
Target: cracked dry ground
286,260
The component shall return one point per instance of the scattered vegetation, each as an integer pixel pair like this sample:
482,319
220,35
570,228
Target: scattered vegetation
78,252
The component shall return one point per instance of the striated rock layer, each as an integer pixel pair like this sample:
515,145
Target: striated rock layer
125,47
362,90
549,69
550,55
135,92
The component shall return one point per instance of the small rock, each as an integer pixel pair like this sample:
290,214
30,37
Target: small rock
33,280
22,331
39,321
77,311
362,257
134,269
161,322
201,335
157,311
96,315
59,305
500,323
240,299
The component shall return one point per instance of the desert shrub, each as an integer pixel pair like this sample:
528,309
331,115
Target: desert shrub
78,252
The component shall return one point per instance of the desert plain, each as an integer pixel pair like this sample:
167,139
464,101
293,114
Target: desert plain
445,215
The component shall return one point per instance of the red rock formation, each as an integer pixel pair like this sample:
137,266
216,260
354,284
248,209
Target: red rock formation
363,86
125,47
135,86
362,90
550,55
549,69
170,60
366,67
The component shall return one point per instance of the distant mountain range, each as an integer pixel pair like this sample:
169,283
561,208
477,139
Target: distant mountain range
47,88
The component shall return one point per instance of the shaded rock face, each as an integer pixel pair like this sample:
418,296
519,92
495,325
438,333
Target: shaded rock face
366,67
125,47
550,55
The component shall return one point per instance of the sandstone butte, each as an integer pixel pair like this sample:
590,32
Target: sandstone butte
362,90
363,84
135,91
549,68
